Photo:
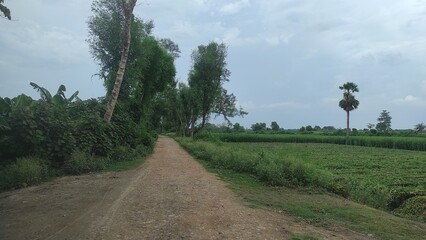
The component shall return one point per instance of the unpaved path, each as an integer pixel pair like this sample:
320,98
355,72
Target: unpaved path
170,196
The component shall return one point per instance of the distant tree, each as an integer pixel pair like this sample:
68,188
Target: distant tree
5,10
329,128
309,128
348,103
317,128
258,127
371,126
384,122
302,129
419,127
238,128
274,126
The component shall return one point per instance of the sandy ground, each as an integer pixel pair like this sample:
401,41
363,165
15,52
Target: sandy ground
170,196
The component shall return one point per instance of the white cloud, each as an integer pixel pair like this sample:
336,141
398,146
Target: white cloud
185,28
48,44
278,39
411,100
234,7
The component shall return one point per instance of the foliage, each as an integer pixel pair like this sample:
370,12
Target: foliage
384,122
208,74
81,162
258,127
106,38
274,126
415,206
5,10
276,172
24,172
420,127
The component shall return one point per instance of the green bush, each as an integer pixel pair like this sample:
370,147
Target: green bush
415,206
122,153
81,162
24,172
268,168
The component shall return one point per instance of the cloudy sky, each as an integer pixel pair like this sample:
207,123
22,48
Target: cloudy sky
287,58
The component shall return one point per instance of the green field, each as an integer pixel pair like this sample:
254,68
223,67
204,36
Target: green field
379,177
400,170
407,143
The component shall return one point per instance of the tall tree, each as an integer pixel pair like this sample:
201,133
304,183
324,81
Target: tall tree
5,10
349,102
384,122
207,75
128,7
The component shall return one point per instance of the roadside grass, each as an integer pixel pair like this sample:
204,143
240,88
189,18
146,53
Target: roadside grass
319,208
256,179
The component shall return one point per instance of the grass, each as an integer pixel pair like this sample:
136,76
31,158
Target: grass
319,208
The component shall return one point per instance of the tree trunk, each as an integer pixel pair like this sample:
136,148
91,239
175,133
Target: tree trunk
347,127
128,10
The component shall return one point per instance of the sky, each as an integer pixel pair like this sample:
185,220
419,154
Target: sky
287,58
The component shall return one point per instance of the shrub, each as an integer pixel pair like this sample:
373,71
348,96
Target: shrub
24,172
122,153
415,206
81,162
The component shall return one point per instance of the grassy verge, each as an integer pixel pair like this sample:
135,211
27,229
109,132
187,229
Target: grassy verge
309,202
321,209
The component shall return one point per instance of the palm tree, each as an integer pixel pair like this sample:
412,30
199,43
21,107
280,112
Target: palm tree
348,103
128,10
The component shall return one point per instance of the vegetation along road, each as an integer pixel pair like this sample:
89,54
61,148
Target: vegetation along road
170,196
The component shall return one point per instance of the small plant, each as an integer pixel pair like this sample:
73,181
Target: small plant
24,172
81,162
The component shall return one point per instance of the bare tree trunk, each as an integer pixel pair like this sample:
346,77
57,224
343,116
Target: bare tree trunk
347,127
128,10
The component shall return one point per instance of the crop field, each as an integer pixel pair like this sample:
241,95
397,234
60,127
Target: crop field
400,170
407,143
379,177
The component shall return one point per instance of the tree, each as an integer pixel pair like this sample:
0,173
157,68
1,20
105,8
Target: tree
420,127
207,76
258,127
309,128
5,10
225,105
348,103
128,10
153,72
238,128
384,122
274,126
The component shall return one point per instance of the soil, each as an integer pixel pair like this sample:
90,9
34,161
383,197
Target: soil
170,196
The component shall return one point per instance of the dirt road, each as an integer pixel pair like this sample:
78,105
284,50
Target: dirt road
170,196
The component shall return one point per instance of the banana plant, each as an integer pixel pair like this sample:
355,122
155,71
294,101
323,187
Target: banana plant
58,99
